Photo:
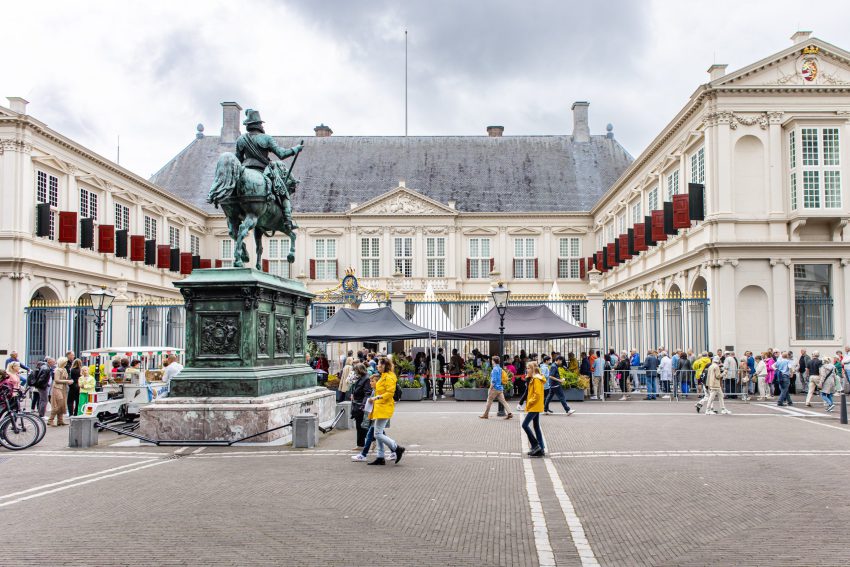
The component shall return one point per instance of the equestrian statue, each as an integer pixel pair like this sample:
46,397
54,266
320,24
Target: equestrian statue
254,191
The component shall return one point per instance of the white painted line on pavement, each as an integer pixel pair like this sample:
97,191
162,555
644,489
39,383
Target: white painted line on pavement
542,544
101,476
198,450
785,410
585,552
843,428
181,450
67,480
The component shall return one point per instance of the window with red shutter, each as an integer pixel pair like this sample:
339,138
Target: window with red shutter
205,264
467,268
186,263
68,227
612,256
137,248
163,256
658,233
535,269
266,266
582,270
624,247
681,211
640,237
106,239
492,264
312,269
218,263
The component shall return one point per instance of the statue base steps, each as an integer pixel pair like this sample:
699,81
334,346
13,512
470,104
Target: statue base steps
226,419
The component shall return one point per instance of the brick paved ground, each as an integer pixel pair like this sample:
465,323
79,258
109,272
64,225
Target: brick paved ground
652,483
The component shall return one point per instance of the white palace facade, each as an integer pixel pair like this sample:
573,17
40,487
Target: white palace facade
435,220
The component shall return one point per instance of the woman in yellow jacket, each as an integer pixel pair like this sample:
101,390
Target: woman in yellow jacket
534,405
86,388
382,410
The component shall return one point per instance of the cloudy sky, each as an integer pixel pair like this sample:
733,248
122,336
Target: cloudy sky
151,70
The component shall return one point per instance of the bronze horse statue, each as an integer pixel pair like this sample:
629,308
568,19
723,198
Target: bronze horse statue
251,200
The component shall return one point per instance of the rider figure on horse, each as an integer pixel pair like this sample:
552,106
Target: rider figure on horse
252,150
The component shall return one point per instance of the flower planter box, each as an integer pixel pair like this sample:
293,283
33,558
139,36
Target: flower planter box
574,395
412,394
471,394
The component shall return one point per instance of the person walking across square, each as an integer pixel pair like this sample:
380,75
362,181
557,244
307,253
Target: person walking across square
497,390
555,387
534,405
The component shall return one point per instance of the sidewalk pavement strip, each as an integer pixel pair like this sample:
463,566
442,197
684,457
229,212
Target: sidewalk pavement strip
631,483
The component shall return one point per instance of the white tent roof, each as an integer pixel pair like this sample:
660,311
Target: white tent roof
431,315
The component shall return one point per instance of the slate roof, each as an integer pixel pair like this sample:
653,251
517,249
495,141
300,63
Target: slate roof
480,173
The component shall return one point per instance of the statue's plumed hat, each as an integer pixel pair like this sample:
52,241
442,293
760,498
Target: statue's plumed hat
252,117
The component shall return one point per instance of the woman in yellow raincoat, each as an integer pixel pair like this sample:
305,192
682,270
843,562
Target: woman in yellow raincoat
382,411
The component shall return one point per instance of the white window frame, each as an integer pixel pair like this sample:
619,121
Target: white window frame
370,256
599,238
326,258
174,236
122,217
226,249
569,254
525,249
435,256
88,204
637,212
47,191
814,172
194,244
621,223
672,184
150,228
278,250
652,199
403,255
479,258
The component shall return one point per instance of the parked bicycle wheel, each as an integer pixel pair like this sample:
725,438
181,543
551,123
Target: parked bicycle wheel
19,432
42,426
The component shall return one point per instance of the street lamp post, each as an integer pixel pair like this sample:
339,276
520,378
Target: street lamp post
101,301
501,295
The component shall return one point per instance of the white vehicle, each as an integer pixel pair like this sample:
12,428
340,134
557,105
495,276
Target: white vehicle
120,398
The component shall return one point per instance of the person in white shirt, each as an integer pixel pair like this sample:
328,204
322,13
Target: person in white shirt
172,369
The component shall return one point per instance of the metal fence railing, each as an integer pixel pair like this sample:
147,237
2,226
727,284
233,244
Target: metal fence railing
157,324
52,329
645,323
813,316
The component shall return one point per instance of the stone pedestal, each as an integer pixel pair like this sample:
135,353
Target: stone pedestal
245,372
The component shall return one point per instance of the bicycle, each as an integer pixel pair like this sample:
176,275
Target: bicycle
18,430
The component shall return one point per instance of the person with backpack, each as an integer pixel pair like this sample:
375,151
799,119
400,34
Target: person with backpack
41,383
383,399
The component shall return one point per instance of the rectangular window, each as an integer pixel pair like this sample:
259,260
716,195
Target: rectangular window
150,228
326,259
435,255
370,257
569,253
794,191
88,204
819,163
621,224
194,245
226,253
403,257
813,301
599,240
278,250
174,237
47,191
122,217
610,231
524,259
637,214
652,199
672,185
479,258
698,166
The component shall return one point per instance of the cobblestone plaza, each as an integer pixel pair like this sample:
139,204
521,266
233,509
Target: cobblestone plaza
634,483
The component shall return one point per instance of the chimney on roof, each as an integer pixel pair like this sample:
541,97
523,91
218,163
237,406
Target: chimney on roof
18,104
323,131
581,129
800,36
716,71
495,131
230,114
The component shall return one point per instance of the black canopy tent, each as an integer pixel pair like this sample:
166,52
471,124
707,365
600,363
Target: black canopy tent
368,325
522,322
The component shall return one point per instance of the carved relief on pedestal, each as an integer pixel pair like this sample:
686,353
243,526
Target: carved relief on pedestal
299,337
263,334
219,334
281,337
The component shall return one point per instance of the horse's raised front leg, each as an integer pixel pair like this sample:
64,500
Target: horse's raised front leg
258,240
239,251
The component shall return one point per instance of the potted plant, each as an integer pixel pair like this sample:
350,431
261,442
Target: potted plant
403,367
574,385
332,382
411,390
473,388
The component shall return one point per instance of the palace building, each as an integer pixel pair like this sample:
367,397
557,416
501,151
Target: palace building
728,230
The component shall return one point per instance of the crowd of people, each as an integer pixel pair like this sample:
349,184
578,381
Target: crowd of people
65,383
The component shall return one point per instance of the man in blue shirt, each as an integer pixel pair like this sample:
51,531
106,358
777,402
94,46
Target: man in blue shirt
650,365
555,388
497,390
782,370
598,373
13,357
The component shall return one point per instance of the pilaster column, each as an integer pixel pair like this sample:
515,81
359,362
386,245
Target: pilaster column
595,309
505,265
780,306
779,199
545,257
